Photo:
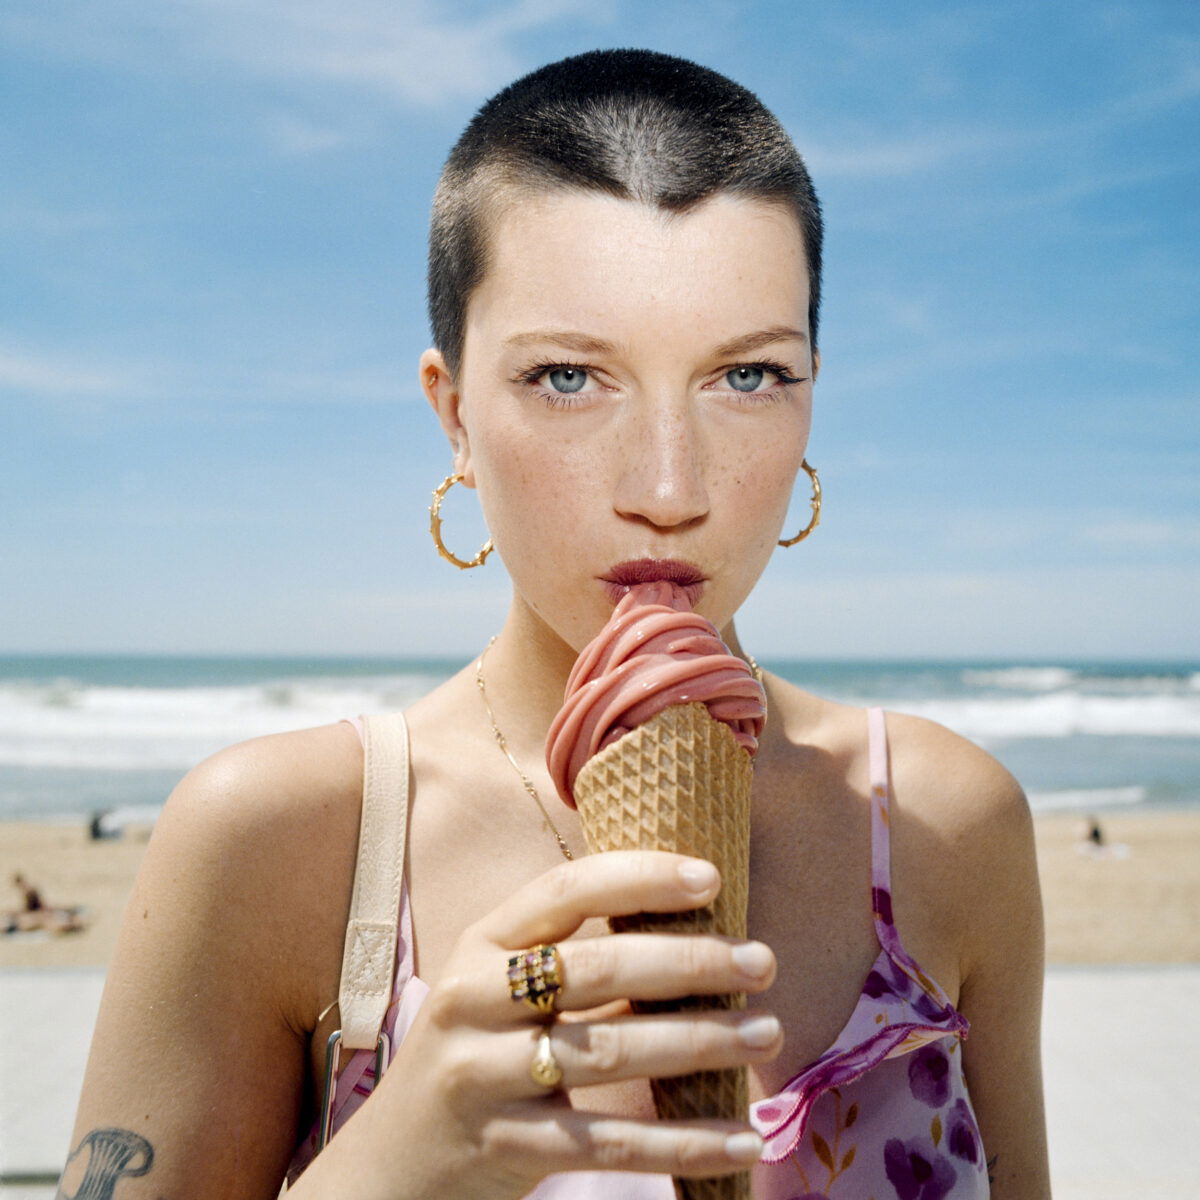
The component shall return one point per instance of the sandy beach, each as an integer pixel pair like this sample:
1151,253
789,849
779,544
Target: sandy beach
1134,901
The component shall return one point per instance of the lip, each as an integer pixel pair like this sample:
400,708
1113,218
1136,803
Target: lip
685,575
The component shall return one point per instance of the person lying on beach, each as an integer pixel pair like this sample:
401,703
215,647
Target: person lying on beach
624,280
34,914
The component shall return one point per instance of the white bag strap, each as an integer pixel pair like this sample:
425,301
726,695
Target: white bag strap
369,959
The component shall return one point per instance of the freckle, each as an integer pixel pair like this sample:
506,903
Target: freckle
145,913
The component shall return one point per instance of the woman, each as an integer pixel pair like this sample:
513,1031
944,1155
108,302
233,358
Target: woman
624,288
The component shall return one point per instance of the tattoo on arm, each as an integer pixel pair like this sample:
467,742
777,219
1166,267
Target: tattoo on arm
991,1167
113,1155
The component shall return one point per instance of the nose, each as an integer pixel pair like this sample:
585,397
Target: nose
661,480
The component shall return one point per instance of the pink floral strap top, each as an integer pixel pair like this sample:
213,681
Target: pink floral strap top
883,1114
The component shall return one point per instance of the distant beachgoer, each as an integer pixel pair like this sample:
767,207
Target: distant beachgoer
1095,844
34,914
30,896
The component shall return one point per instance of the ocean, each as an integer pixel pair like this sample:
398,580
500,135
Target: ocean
83,734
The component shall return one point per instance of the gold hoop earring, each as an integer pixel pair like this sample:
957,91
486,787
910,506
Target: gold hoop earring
435,528
816,507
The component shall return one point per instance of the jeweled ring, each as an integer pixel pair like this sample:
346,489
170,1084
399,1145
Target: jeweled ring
535,976
545,1070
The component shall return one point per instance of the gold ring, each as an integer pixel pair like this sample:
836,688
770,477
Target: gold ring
545,1070
535,976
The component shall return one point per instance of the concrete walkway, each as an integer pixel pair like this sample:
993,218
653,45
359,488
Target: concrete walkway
46,1020
1121,1051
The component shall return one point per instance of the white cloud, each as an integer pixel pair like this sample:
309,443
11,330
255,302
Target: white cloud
64,378
407,51
387,383
898,156
1169,87
292,135
60,378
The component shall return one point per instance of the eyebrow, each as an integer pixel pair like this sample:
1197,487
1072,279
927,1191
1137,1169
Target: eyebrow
755,341
585,343
569,339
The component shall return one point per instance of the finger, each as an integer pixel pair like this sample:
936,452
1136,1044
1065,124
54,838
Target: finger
657,966
615,883
562,1139
602,970
655,1047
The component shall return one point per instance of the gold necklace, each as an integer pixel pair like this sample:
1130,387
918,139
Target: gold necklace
500,741
558,837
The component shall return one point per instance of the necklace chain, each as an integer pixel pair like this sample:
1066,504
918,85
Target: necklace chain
558,837
503,744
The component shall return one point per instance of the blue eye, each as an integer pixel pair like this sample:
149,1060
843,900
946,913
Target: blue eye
745,379
566,379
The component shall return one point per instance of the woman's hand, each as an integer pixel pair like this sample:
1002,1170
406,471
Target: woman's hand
458,1114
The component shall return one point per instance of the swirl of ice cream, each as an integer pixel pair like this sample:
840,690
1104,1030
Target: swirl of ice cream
653,653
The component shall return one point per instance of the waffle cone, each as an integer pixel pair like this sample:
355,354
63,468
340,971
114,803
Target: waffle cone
681,782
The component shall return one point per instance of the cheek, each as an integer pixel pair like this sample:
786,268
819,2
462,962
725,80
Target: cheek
760,476
529,487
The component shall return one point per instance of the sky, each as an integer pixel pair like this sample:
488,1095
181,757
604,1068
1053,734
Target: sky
212,244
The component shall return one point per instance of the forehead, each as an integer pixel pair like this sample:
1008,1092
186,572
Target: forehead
591,261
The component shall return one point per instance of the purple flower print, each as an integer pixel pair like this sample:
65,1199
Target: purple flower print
881,901
877,986
887,980
962,1134
927,1007
929,1076
917,1171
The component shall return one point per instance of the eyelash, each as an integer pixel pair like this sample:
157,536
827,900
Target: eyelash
781,373
536,370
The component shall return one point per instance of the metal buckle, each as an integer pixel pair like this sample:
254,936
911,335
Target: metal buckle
333,1056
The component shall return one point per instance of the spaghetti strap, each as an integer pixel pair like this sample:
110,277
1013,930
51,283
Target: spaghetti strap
881,831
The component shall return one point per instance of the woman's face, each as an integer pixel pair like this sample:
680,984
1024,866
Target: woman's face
635,386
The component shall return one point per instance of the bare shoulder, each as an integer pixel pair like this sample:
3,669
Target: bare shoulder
279,779
937,775
260,840
962,849
964,826
949,780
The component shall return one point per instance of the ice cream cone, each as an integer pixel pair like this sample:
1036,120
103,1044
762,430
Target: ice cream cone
681,782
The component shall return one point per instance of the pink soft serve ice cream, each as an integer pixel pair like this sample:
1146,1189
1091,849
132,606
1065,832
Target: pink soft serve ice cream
654,652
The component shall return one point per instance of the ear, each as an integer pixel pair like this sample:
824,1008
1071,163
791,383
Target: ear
442,393
816,361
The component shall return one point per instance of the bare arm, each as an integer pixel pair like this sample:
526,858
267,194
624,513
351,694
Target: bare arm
196,1075
988,870
1002,998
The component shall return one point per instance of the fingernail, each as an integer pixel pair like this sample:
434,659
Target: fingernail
744,1147
759,1032
698,876
753,959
